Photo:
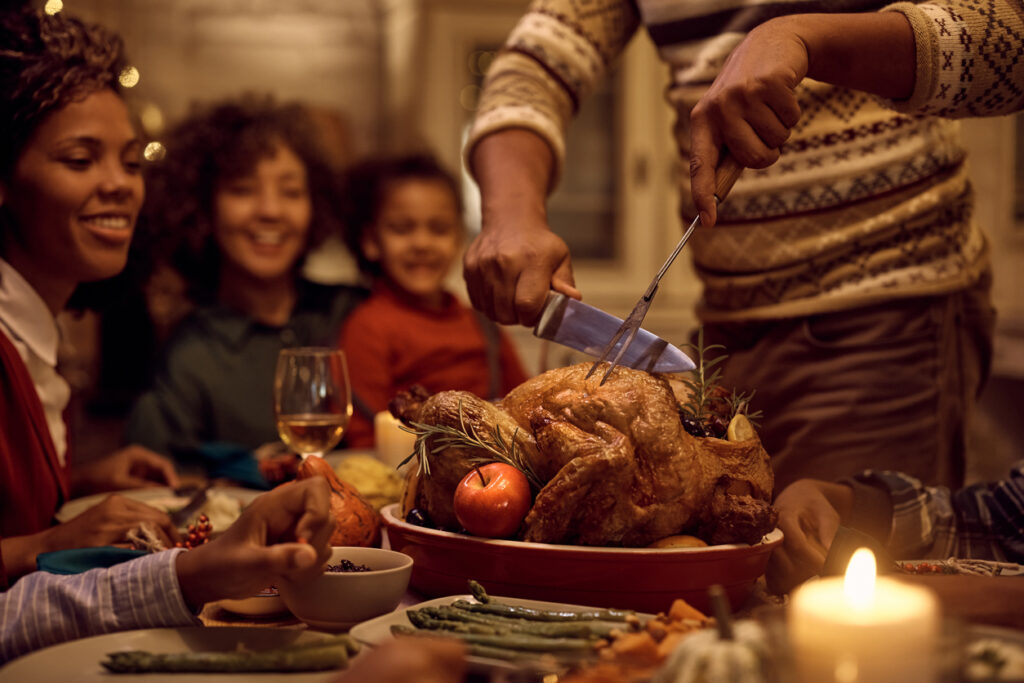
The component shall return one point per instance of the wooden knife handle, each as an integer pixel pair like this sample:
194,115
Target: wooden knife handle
725,175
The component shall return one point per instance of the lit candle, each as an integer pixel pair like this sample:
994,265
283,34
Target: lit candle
863,629
393,443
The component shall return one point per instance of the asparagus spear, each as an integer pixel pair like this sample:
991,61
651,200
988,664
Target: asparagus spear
329,653
437,619
536,660
579,629
504,610
421,620
478,592
511,641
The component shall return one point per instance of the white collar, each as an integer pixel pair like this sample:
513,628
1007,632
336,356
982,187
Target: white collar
24,313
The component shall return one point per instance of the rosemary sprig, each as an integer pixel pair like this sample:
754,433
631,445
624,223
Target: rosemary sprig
704,389
739,404
703,382
432,439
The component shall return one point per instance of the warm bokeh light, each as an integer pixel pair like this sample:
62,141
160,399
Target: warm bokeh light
53,6
152,119
484,63
847,670
480,61
469,96
129,78
859,583
154,151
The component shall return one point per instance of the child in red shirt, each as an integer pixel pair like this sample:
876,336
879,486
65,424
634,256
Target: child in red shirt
403,223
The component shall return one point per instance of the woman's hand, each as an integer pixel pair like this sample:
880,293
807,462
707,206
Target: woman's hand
810,513
106,523
131,467
282,533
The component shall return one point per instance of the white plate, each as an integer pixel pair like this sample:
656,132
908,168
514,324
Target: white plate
75,507
1009,641
378,631
1005,568
79,660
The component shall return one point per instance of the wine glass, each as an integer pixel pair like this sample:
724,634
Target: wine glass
312,398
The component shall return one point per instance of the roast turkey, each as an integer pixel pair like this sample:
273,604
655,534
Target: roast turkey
614,463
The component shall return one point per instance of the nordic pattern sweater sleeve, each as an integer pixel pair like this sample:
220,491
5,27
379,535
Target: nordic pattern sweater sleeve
970,57
554,58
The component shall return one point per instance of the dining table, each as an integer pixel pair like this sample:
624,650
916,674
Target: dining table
760,605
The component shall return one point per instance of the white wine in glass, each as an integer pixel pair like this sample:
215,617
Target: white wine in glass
312,398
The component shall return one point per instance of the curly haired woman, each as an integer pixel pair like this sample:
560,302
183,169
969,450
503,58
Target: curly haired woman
241,198
70,191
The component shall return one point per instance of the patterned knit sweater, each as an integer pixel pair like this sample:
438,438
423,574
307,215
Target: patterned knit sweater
970,57
865,203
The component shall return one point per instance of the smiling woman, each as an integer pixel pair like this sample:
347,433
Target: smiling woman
78,186
70,192
242,196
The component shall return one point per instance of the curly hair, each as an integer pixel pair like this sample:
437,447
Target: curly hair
216,143
366,186
47,62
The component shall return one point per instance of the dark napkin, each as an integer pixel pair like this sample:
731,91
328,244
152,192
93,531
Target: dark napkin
78,560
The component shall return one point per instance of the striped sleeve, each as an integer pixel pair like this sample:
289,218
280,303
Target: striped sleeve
970,57
44,609
553,59
984,521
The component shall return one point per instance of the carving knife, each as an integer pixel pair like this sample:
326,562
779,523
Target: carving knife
582,327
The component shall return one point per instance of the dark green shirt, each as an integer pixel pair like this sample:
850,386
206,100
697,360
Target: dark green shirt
215,383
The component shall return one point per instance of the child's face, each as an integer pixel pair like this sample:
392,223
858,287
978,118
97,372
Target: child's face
75,192
261,220
417,237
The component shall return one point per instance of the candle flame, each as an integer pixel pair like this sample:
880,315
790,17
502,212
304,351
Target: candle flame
859,583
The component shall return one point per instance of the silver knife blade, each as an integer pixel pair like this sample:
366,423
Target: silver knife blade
180,517
582,327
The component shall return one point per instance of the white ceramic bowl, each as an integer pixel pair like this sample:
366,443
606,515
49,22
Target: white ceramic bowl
336,601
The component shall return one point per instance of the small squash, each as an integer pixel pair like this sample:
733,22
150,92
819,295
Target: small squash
357,521
706,657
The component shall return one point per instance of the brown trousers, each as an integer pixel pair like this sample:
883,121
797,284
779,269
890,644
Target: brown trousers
889,386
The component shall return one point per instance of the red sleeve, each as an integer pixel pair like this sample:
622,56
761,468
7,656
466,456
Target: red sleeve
33,484
364,338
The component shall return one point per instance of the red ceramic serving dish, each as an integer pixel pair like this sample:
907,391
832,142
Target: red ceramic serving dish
643,579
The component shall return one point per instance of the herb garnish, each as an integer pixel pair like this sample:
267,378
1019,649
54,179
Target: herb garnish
432,439
709,407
